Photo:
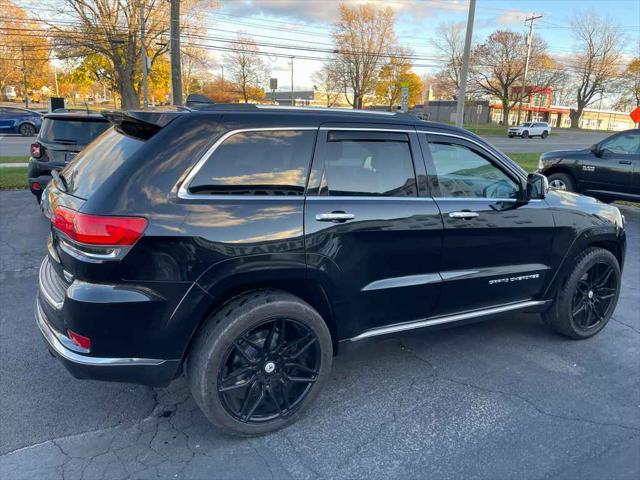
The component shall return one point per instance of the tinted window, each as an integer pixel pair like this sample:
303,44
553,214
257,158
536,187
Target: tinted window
273,162
369,167
461,172
100,159
627,143
74,132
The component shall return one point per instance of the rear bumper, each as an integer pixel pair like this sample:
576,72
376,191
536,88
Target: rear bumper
146,371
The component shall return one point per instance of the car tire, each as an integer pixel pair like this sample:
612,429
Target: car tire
525,134
510,136
267,392
27,130
562,181
588,298
544,135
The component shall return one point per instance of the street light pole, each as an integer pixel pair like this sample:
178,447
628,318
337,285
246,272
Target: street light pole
145,85
465,65
292,99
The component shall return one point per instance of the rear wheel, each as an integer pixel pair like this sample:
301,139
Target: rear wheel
27,130
589,297
259,362
562,181
525,134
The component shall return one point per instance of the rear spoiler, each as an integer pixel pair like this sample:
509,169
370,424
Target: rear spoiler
141,123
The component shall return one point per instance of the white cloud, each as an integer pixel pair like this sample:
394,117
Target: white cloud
512,17
326,11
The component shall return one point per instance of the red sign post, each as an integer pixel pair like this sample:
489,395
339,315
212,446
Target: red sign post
635,115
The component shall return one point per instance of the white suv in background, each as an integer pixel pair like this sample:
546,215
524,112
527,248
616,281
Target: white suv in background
530,129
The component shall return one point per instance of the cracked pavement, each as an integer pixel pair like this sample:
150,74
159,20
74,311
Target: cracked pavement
496,400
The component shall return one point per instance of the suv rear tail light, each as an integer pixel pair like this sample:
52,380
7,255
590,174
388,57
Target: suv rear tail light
99,230
36,150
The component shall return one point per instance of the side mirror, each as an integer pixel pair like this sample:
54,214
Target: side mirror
537,186
595,149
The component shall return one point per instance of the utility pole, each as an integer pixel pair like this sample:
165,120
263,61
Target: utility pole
531,21
55,73
24,78
292,99
174,41
465,64
145,84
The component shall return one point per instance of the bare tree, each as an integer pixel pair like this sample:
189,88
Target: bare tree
449,44
498,66
248,70
363,36
111,29
596,63
327,81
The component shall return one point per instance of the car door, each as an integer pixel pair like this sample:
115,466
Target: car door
496,250
5,121
371,226
610,168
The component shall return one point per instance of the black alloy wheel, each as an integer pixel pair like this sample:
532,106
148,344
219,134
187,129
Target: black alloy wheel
585,302
269,370
594,296
525,134
27,130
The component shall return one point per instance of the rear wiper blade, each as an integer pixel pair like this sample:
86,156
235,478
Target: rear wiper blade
60,180
65,141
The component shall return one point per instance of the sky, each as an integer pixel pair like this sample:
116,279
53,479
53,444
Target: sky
309,22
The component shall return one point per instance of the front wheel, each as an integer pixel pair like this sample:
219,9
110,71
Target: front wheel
27,130
589,297
259,362
562,181
525,134
545,134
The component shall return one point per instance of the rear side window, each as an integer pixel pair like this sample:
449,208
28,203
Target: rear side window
270,162
368,166
71,132
100,159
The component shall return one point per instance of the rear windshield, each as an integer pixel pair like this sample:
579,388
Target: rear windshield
71,132
100,159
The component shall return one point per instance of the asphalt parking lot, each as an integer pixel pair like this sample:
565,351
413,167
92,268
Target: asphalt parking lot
495,400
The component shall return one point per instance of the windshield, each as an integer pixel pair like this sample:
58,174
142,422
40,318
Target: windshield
73,132
526,125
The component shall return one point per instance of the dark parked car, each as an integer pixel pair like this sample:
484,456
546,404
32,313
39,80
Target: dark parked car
244,245
62,136
19,120
608,170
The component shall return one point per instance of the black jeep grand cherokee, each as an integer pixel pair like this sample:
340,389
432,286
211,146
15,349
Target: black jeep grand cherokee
243,245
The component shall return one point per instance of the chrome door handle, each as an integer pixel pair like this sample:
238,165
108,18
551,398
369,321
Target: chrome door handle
463,214
625,162
334,217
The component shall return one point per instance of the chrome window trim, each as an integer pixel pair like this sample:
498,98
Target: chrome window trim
60,345
401,327
183,191
368,129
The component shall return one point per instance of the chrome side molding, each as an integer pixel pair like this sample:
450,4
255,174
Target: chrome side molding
426,322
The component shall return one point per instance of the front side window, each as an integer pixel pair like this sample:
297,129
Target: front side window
463,173
626,143
270,162
369,166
